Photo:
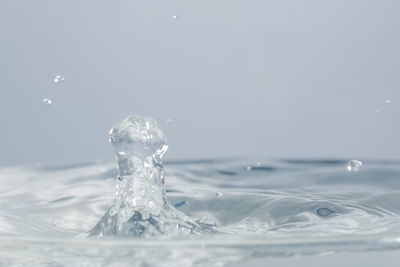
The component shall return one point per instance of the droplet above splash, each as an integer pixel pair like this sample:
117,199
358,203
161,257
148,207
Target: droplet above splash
47,102
59,79
354,165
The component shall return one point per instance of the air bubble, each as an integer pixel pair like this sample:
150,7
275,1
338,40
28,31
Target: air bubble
47,102
354,165
59,79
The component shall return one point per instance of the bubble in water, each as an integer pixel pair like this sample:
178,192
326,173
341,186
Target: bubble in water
354,165
324,212
47,102
168,121
59,79
175,17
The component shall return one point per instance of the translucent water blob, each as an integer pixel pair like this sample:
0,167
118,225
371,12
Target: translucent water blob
387,101
59,79
175,17
168,121
354,165
47,102
141,207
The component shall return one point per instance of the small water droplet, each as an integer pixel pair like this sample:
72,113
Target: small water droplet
208,221
258,164
59,79
387,101
219,195
175,17
354,165
47,102
248,168
168,121
151,204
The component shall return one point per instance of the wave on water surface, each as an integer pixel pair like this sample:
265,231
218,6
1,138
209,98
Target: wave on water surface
208,212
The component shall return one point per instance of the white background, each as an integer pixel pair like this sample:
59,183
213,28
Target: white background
259,79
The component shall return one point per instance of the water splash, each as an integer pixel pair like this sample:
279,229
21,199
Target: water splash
141,208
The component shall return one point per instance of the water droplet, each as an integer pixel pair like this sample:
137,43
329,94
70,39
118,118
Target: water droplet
248,168
175,17
208,221
258,164
218,195
168,121
151,204
354,165
47,102
59,79
387,101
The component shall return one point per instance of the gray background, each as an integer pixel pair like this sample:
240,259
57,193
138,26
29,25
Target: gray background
259,79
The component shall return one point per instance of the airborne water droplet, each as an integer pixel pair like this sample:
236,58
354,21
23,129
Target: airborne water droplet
59,79
168,121
387,101
218,195
47,102
354,165
175,17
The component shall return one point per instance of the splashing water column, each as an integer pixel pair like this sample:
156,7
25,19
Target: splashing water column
141,207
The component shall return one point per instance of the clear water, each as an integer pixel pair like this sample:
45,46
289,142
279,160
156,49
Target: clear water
221,210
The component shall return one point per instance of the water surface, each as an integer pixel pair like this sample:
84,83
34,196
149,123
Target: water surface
273,208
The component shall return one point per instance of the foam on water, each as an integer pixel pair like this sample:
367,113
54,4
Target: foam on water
218,211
